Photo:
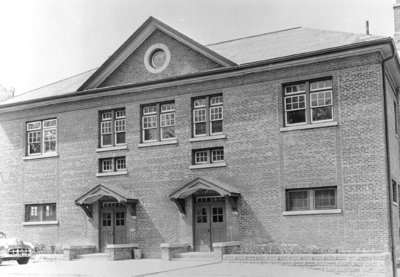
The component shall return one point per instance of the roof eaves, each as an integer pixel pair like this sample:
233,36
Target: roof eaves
215,71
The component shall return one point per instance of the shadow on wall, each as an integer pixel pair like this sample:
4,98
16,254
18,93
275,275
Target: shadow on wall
148,236
251,230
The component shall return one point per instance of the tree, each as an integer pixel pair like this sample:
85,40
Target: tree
6,93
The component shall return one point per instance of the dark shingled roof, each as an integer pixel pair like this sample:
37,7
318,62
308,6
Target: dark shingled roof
241,51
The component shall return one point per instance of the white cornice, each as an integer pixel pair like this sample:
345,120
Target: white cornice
196,78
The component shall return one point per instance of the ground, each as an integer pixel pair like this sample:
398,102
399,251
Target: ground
153,267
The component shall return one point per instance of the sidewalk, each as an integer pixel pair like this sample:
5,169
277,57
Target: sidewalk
154,267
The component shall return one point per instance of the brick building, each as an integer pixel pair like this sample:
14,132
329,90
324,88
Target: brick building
289,136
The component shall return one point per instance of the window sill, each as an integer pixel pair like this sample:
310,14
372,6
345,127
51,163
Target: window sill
114,173
113,148
158,143
40,156
37,223
309,126
205,138
312,212
395,203
198,166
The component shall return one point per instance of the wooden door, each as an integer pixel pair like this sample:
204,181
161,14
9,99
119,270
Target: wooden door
120,226
210,225
218,229
202,228
107,226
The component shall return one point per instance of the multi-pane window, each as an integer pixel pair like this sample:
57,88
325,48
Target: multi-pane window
206,156
112,164
40,212
158,122
308,102
395,116
112,127
42,137
311,199
208,115
217,214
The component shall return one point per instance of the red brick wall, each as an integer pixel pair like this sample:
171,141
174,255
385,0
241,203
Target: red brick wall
184,60
261,162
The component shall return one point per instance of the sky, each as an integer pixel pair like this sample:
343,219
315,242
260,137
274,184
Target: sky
44,41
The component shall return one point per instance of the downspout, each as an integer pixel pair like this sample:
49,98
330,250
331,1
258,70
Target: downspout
388,173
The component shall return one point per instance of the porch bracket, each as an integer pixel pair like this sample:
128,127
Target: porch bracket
131,206
181,205
233,199
87,208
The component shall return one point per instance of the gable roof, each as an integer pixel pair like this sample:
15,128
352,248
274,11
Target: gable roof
136,39
285,43
243,51
62,87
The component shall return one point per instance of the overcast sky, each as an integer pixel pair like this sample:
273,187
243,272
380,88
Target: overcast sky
45,41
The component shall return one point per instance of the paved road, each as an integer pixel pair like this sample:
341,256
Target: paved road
153,267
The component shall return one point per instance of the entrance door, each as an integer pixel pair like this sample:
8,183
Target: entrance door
210,225
112,226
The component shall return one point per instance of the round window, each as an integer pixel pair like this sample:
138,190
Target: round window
157,58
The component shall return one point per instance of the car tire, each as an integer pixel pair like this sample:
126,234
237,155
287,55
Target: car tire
23,260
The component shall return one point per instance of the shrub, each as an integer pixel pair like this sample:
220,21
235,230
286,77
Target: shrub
282,248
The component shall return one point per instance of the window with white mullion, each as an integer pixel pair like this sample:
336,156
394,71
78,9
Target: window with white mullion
120,131
200,122
216,117
42,137
107,165
295,109
167,126
112,128
34,143
217,155
106,133
150,128
201,157
120,164
154,131
321,106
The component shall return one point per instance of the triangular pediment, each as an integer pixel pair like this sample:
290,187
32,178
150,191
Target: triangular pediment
203,184
154,52
101,191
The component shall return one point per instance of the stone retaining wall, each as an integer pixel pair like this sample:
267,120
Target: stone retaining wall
366,265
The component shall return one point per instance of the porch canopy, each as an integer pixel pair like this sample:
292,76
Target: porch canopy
86,200
231,194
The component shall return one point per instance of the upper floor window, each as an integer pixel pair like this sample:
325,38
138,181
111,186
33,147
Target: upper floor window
158,122
112,164
208,156
41,137
311,199
208,115
308,102
394,192
112,127
40,212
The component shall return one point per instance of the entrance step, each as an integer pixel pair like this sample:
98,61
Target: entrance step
194,256
94,256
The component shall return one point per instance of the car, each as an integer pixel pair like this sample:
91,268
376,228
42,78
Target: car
14,249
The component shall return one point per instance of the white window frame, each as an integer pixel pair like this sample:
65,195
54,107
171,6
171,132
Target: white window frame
307,89
311,198
207,104
158,112
110,164
110,118
39,127
206,154
118,166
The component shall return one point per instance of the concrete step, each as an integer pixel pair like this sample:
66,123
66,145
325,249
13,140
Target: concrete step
94,256
194,256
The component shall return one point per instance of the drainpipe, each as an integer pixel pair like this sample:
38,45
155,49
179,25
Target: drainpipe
388,173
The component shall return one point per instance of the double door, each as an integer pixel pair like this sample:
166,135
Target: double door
210,225
112,227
